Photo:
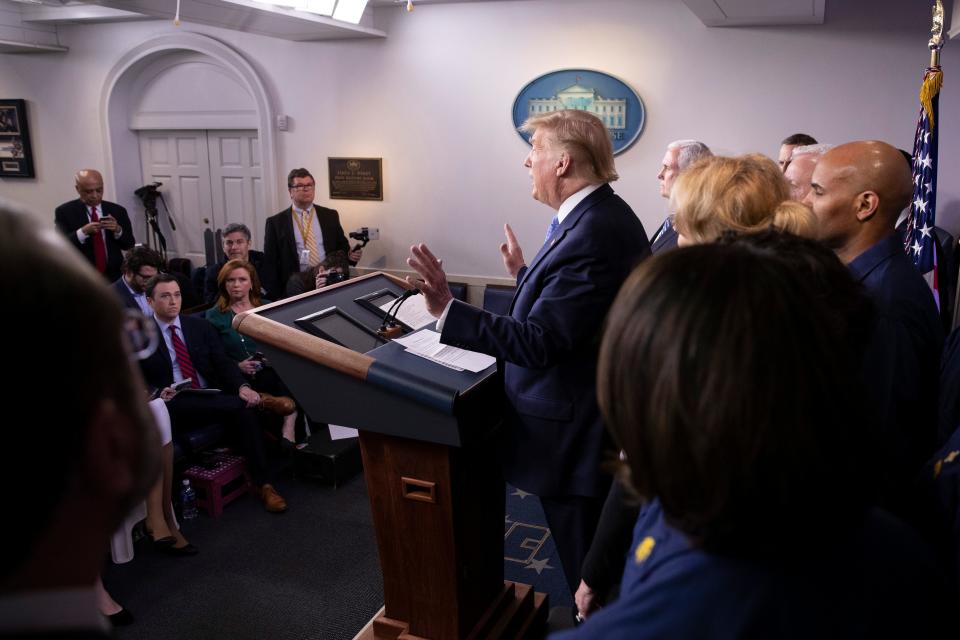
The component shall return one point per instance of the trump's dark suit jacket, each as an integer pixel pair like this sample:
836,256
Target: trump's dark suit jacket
555,438
280,259
72,215
206,354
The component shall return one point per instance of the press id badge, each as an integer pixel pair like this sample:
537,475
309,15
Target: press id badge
304,257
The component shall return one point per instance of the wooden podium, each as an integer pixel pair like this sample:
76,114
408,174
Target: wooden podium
427,435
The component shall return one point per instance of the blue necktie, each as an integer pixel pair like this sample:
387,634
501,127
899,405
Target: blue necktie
667,224
553,227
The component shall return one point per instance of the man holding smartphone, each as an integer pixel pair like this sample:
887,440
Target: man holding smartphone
100,230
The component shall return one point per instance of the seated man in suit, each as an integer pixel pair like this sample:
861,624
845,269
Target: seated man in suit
97,455
300,237
857,191
190,348
100,230
679,155
141,264
555,442
236,246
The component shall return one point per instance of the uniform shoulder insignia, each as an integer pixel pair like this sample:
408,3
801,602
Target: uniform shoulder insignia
948,459
644,549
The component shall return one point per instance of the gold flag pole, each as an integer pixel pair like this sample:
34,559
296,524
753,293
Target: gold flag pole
933,78
936,34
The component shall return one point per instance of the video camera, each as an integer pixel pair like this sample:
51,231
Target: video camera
364,235
148,194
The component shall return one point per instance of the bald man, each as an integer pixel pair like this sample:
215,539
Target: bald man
100,230
799,171
857,191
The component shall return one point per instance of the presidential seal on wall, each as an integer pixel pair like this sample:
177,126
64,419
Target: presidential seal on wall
610,99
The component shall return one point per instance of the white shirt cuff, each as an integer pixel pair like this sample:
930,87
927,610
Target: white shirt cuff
443,316
81,236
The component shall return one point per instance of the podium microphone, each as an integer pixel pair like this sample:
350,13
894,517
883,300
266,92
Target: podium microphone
390,328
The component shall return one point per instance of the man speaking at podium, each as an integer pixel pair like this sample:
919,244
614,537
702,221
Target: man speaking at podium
554,441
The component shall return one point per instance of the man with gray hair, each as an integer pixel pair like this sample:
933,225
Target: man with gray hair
553,440
236,246
799,171
680,154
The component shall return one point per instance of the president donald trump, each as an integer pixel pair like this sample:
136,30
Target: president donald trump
554,440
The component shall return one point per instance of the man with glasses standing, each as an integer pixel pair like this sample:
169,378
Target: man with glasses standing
300,236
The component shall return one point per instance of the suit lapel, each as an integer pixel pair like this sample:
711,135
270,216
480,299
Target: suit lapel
164,353
285,231
568,223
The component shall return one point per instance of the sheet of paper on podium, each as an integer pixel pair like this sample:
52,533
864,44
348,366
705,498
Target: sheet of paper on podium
413,312
341,433
426,344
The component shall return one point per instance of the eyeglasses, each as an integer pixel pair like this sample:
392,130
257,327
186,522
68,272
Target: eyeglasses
301,187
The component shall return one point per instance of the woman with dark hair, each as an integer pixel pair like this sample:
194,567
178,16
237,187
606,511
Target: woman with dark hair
729,374
238,290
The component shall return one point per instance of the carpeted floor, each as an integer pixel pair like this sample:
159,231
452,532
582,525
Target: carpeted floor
310,573
528,551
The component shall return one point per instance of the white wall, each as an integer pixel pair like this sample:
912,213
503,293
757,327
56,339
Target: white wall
13,27
434,101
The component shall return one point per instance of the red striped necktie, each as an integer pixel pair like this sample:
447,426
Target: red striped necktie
99,247
183,358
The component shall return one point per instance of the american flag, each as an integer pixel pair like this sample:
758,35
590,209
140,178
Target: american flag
920,241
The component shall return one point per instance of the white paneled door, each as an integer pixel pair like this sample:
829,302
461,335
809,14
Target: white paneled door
210,178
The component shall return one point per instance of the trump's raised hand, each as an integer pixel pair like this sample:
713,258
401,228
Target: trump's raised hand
511,252
432,282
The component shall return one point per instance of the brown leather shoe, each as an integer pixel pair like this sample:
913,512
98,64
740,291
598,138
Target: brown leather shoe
272,501
280,405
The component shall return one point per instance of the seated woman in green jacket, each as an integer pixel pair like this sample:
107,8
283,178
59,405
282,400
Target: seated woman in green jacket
238,290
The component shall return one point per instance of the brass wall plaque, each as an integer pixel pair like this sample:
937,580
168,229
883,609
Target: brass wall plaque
356,178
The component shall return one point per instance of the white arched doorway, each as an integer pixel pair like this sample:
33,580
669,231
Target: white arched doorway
144,106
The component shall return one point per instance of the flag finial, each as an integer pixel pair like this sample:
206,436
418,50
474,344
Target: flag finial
936,34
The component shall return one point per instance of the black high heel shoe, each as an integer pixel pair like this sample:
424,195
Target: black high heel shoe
167,546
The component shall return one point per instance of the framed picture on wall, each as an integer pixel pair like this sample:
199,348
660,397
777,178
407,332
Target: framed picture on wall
16,155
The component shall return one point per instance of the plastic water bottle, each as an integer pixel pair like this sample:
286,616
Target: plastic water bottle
188,501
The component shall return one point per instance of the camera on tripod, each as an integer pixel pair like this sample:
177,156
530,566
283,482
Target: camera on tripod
148,194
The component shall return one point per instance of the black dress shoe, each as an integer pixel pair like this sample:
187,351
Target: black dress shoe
122,618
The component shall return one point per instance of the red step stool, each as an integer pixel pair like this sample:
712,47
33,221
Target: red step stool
230,474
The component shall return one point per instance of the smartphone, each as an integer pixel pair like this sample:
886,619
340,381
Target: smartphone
183,384
258,356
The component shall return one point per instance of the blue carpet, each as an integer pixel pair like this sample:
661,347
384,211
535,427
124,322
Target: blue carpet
529,553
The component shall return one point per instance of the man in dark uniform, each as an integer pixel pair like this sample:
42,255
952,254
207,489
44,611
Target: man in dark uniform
857,191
